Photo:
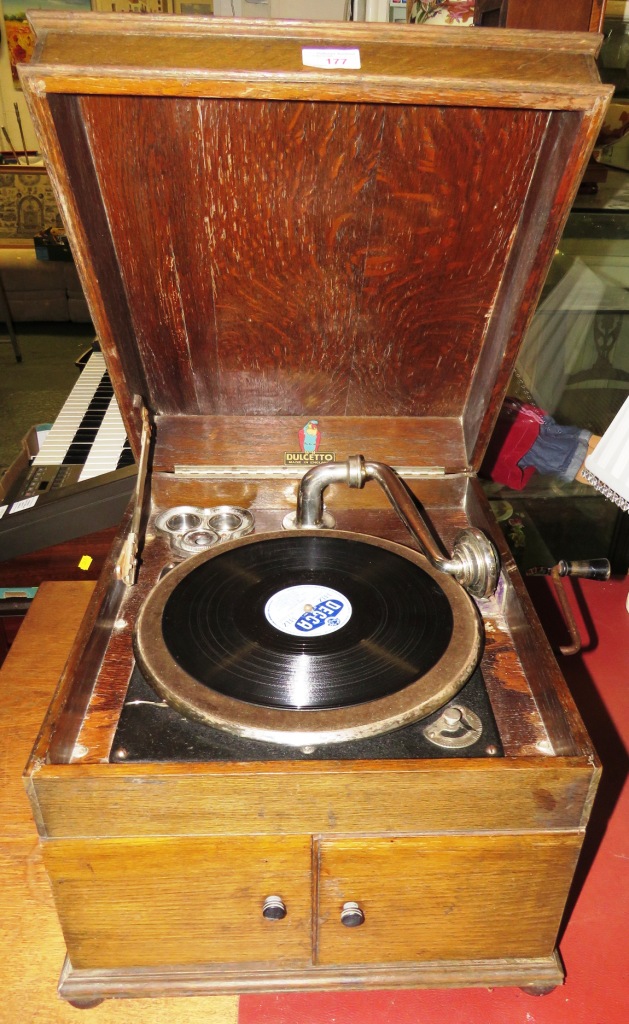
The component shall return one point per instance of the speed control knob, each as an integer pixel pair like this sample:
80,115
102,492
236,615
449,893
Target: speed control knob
351,915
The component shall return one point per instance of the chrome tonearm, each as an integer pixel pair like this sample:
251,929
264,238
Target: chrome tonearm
474,562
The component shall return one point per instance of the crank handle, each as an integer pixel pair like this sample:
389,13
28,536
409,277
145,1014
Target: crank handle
588,569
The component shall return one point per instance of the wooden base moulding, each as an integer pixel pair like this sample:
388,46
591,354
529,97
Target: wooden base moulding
87,988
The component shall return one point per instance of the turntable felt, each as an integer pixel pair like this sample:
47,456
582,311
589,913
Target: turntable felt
307,637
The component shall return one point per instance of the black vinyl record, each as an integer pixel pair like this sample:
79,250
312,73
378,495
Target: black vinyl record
307,622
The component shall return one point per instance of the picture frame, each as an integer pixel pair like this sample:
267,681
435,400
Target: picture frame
19,36
199,8
133,6
27,203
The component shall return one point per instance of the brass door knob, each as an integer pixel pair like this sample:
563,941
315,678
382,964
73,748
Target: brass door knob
351,915
274,908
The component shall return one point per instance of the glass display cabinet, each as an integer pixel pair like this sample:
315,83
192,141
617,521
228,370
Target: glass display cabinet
574,364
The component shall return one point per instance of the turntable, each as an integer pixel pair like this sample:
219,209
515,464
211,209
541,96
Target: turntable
311,734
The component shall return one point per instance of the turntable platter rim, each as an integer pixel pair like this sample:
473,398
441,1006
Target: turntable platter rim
318,727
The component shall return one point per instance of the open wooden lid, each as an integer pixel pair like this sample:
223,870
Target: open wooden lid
263,242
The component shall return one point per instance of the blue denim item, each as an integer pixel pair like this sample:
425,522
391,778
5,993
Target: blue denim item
557,451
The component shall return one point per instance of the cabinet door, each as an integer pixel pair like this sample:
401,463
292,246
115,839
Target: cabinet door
443,898
135,903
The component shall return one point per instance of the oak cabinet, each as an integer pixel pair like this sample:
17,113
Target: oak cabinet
442,898
395,899
135,903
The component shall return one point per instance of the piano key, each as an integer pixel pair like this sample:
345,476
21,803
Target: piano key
74,409
80,447
107,446
88,432
126,456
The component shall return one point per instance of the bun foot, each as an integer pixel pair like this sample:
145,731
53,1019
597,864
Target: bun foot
538,990
84,1004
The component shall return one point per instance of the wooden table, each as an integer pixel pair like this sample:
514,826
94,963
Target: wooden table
33,949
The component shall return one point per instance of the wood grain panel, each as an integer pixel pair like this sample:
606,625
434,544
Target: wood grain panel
433,267
49,22
59,731
77,189
288,265
28,682
33,955
266,61
577,16
183,901
281,494
334,797
443,898
309,256
60,561
262,441
158,213
539,972
248,291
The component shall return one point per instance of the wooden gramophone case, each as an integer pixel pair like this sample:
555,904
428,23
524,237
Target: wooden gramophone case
263,242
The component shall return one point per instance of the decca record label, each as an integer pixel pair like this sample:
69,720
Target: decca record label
308,610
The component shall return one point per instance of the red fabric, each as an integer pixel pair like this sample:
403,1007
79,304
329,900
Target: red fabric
516,431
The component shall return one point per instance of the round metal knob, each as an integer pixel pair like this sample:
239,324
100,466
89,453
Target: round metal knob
452,718
274,908
351,915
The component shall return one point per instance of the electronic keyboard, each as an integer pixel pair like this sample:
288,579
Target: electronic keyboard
81,478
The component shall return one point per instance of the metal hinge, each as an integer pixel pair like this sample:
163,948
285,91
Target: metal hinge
127,564
287,472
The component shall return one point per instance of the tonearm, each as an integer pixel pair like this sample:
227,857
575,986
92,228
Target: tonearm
474,561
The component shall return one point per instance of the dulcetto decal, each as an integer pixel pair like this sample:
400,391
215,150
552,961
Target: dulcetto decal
309,442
